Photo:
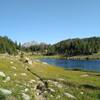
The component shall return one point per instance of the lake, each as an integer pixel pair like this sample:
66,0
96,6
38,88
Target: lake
89,65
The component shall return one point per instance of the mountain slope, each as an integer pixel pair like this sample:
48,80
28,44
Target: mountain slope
7,45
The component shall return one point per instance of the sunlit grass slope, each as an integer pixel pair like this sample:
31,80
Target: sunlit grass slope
81,85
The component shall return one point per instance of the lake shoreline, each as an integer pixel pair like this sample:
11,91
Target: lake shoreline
77,65
81,57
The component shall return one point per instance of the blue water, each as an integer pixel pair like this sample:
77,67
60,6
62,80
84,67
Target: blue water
89,65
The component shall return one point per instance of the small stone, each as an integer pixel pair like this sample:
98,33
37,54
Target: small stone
5,91
7,79
25,84
32,81
11,62
15,74
45,92
56,83
84,75
58,97
37,94
26,58
28,85
2,74
26,90
60,86
30,62
25,96
82,93
13,67
60,79
45,63
23,74
50,81
69,95
51,96
52,90
37,60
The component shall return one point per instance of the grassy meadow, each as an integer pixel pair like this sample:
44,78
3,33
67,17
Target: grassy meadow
95,56
64,84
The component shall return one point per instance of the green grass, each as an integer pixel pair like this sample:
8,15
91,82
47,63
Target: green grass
72,82
94,56
41,56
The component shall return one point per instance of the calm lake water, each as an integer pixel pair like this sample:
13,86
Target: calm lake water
89,65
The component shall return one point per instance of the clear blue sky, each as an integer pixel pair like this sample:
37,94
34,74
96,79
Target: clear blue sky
49,20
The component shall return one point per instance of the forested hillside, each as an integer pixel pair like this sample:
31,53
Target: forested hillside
36,48
70,47
8,46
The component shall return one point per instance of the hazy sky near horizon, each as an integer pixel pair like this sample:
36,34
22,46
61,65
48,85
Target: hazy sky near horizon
49,20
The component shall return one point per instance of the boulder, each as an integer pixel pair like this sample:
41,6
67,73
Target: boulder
5,91
2,74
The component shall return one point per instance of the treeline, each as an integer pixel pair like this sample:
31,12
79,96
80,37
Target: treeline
73,47
70,47
8,46
37,49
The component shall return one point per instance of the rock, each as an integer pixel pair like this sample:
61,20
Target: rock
50,81
82,93
26,90
25,84
23,74
30,62
40,97
40,86
5,91
69,95
28,85
58,97
45,92
37,60
37,94
60,86
45,63
52,90
84,75
7,79
26,58
32,81
56,83
25,96
51,96
2,74
15,74
60,79
13,67
11,62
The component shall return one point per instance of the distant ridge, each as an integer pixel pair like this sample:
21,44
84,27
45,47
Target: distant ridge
32,43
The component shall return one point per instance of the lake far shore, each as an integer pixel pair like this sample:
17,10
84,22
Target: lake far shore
95,56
